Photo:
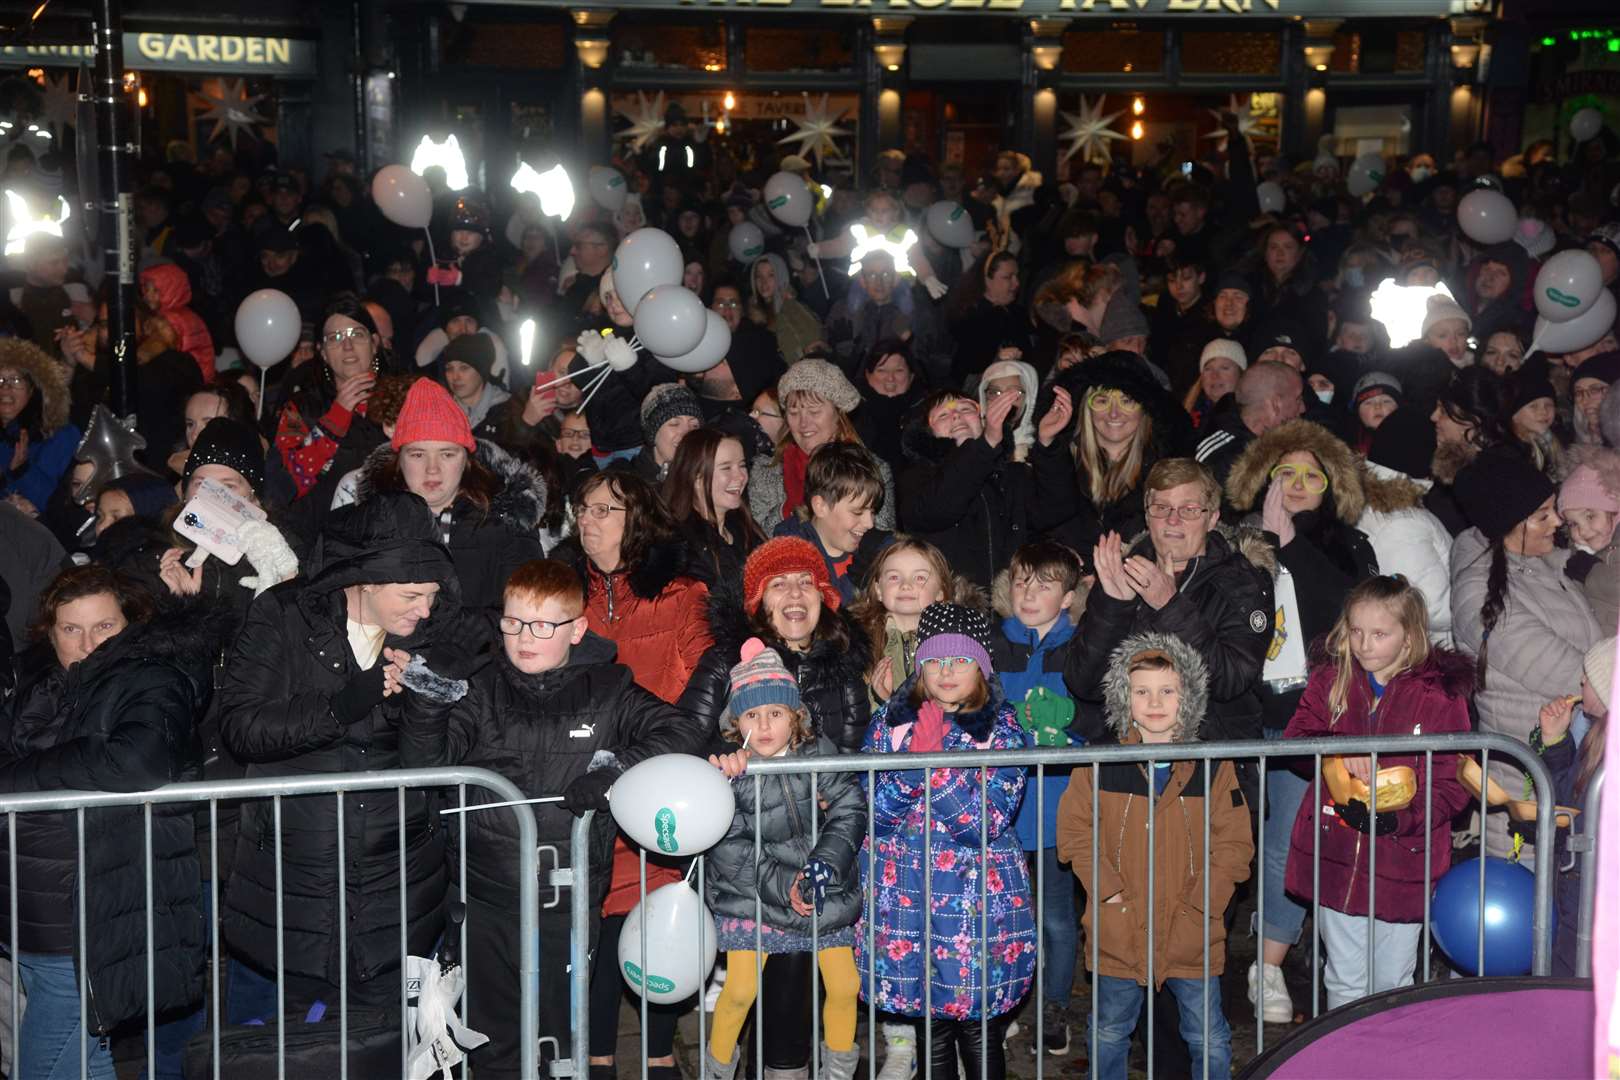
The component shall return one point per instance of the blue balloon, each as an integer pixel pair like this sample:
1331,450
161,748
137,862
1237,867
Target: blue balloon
1510,897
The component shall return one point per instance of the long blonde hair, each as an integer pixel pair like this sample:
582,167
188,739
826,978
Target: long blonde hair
1109,481
1401,600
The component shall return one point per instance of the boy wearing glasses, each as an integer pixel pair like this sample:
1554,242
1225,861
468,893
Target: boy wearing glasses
555,714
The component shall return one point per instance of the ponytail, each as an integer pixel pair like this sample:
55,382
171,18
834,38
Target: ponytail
1495,601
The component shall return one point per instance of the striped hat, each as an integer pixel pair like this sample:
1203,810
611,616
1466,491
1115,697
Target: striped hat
760,679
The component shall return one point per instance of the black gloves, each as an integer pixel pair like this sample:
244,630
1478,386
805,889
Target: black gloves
363,693
1355,814
589,791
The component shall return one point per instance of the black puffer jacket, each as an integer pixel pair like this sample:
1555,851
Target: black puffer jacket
971,500
832,681
122,720
733,879
614,411
542,732
291,659
486,546
1222,608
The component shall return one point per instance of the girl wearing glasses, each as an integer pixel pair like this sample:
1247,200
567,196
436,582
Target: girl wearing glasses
1308,488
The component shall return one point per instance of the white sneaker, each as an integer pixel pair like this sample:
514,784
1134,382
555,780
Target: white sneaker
1279,1006
717,983
900,1052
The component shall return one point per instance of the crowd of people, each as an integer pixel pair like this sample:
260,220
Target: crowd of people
1138,466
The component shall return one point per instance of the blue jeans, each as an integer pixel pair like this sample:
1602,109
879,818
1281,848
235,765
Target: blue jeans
1119,1002
249,996
1285,790
1060,929
51,1025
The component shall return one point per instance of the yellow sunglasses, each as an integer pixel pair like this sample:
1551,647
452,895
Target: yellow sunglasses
1102,400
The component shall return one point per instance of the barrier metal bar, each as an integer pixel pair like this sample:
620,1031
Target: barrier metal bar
579,940
1587,854
276,788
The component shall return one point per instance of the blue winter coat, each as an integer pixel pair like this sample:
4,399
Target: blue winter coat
896,877
1042,659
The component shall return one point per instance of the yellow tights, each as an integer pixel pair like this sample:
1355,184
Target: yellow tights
838,978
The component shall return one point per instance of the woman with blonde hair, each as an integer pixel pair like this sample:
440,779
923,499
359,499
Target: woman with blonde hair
773,304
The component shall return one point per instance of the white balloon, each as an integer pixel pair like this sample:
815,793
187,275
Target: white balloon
1487,217
267,327
747,242
709,352
677,804
1271,196
402,196
788,199
1366,173
669,320
607,188
1586,124
645,259
681,944
1579,332
950,224
1568,285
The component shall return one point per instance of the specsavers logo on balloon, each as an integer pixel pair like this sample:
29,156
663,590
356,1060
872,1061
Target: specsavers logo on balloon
664,822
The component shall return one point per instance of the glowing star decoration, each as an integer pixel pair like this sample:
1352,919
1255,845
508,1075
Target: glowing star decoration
446,155
60,104
1248,127
1088,132
1401,308
24,224
233,111
817,130
866,243
645,123
553,188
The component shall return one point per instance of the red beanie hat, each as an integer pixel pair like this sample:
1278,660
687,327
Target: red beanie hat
430,414
786,555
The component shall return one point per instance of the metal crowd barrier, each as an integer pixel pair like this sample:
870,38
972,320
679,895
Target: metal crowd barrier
1583,844
1481,744
276,789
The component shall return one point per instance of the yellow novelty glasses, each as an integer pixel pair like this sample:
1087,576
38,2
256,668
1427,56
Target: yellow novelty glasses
1309,478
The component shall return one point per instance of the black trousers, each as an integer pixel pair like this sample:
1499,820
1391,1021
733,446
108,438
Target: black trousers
964,1041
785,1003
607,993
493,950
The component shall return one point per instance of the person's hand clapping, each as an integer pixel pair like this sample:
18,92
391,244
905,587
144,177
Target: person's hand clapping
1274,516
1111,568
1154,582
883,679
1057,418
995,417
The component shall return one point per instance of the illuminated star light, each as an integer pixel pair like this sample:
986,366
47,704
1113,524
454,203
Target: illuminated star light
817,130
24,224
645,122
233,111
1248,126
60,104
1401,309
866,244
446,155
1088,132
553,188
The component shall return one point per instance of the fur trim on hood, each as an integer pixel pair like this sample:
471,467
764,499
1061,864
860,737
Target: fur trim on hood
1001,596
1452,458
1388,491
1251,471
50,379
1194,697
521,501
1172,427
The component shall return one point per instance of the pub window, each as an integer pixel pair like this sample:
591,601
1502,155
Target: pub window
534,45
1346,53
692,48
1214,52
1121,49
776,49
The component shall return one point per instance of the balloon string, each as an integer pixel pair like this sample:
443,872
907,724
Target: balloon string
595,385
261,394
819,273
433,261
568,375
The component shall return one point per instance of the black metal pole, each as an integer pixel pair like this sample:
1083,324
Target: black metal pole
116,231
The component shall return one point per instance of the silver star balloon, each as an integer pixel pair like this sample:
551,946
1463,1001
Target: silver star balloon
61,104
232,111
817,129
1248,127
1088,132
109,444
645,122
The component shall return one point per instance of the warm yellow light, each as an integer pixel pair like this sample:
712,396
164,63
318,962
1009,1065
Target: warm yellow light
36,73
39,11
1321,67
1138,106
894,67
713,67
1127,68
1137,131
140,97
720,126
730,101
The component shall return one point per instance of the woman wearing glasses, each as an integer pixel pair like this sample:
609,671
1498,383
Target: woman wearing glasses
1124,422
323,432
1307,485
37,441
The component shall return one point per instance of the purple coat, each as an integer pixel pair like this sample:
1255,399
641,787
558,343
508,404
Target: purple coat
1431,699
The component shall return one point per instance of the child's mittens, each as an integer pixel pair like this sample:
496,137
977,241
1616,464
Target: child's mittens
1046,716
818,875
928,733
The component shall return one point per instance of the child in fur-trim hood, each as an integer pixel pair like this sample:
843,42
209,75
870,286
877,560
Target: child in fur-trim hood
1155,692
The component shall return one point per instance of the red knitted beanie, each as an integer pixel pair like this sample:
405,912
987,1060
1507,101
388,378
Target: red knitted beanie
786,555
430,414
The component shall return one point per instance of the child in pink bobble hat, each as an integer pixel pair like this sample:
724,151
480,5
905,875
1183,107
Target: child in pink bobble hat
1589,500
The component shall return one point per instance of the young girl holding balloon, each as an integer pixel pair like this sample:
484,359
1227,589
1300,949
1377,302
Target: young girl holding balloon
953,703
799,894
1380,677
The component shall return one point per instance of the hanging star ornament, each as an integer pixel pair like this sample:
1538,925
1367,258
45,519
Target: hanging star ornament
817,130
645,122
233,110
60,104
1088,132
1248,127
